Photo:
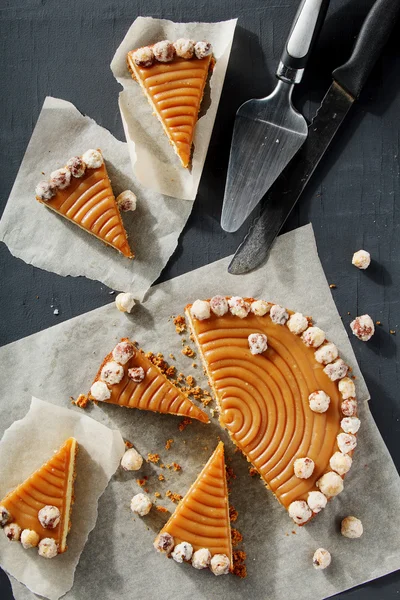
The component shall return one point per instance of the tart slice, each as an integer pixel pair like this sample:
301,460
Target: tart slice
81,192
200,523
283,395
38,511
173,78
127,377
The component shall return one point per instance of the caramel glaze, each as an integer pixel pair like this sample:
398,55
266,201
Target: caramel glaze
175,91
202,516
46,486
263,399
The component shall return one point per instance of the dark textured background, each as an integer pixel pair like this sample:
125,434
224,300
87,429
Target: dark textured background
64,49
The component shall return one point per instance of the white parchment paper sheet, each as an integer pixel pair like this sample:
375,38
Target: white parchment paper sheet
46,240
154,161
119,560
25,446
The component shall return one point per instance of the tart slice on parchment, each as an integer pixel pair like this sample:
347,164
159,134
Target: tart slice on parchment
283,395
173,76
199,530
38,511
127,377
81,192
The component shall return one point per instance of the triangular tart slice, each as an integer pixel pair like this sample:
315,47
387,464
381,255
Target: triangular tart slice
283,394
127,377
174,89
81,192
40,507
201,518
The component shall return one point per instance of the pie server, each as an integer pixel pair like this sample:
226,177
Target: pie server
268,132
348,81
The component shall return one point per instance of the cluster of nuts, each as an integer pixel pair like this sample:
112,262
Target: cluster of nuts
48,517
165,51
219,564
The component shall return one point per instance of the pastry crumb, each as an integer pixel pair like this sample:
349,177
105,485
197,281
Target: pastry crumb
392,331
378,323
190,380
253,471
184,423
128,445
236,537
332,286
233,514
161,509
173,496
153,458
176,466
194,365
180,324
142,482
172,357
170,371
188,351
157,494
169,443
239,568
161,477
82,401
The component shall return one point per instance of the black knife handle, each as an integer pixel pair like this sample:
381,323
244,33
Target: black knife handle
370,41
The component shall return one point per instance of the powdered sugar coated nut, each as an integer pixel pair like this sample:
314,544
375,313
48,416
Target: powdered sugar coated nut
321,559
341,463
350,424
99,391
141,504
336,370
330,484
92,158
203,49
363,327
164,543
260,308
61,178
49,516
313,337
137,374
45,190
349,407
127,201
123,352
125,302
278,314
200,310
319,401
112,373
346,442
220,564
29,538
76,166
47,548
351,527
326,353
144,57
184,48
317,501
361,259
131,460
303,467
164,51
239,307
12,531
201,558
219,305
297,323
258,343
182,551
299,511
5,516
347,388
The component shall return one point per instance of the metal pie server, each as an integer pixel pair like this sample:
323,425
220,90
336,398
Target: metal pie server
268,132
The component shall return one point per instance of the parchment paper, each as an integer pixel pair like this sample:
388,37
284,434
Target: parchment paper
46,240
154,162
25,446
119,560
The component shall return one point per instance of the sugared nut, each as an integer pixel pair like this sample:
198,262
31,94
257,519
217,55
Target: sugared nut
349,407
141,504
200,310
123,352
351,527
12,531
125,302
303,467
182,551
350,424
319,401
363,327
144,57
347,388
45,190
219,305
5,516
299,511
336,370
49,516
346,442
258,343
76,166
164,543
29,538
202,49
321,559
313,337
61,178
92,158
316,501
330,484
278,314
239,307
297,323
260,308
220,564
47,548
112,373
341,463
201,558
137,374
326,353
164,51
361,259
131,460
99,391
127,201
184,48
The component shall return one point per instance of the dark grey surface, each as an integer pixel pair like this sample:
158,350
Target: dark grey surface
64,49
